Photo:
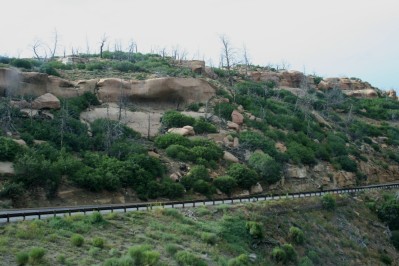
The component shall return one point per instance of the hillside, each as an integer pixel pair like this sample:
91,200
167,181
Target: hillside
306,231
125,128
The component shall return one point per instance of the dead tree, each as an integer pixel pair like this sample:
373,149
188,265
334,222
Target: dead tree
228,56
102,43
246,59
53,50
36,47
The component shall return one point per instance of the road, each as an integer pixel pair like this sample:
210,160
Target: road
14,215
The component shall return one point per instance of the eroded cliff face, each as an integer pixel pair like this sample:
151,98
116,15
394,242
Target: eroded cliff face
173,90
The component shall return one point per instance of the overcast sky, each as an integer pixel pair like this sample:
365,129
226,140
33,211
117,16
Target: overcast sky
354,38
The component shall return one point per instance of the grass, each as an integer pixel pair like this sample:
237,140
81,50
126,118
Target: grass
209,236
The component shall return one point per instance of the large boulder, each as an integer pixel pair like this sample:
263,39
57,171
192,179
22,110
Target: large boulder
6,169
391,94
293,171
184,131
46,101
367,93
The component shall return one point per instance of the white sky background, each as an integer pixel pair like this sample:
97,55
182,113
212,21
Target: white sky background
354,38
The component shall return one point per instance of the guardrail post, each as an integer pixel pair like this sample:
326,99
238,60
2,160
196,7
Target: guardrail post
124,209
39,216
194,204
8,218
183,205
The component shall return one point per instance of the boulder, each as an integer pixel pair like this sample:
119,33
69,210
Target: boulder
236,142
46,101
190,130
153,154
179,131
392,94
20,142
197,66
175,176
232,125
230,157
237,117
280,147
367,93
256,189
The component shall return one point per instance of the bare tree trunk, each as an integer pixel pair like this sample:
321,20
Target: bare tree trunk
102,43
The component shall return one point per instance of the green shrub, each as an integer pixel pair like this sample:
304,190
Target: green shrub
226,184
387,260
98,242
241,260
124,66
199,172
254,229
22,258
279,255
328,202
305,261
8,149
185,258
124,261
22,63
96,66
143,255
389,213
299,153
36,255
176,119
208,151
290,252
224,110
166,140
314,256
255,140
171,249
77,240
202,187
244,176
202,126
49,70
179,152
96,218
345,163
296,235
193,107
395,239
209,238
172,190
268,168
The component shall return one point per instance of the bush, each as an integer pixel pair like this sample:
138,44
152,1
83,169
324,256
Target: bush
176,119
387,260
172,190
202,126
179,152
345,163
96,218
299,153
185,258
199,172
124,261
328,202
254,229
209,238
98,242
8,149
166,140
254,140
305,261
22,258
96,66
290,252
296,235
226,184
244,176
143,255
202,187
224,110
241,260
22,63
279,255
36,255
389,213
395,239
77,240
268,168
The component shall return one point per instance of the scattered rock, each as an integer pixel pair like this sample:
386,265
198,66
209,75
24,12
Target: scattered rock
230,157
46,101
236,142
153,154
232,125
237,117
280,147
175,176
184,131
240,108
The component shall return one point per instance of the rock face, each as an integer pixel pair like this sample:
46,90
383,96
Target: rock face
237,117
46,101
368,93
293,171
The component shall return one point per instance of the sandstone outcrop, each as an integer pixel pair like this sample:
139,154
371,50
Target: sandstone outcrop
168,89
184,131
392,94
230,157
367,93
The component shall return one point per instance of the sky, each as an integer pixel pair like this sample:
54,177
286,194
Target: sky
340,38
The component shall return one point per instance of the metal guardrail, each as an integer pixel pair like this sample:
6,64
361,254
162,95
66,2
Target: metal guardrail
181,204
